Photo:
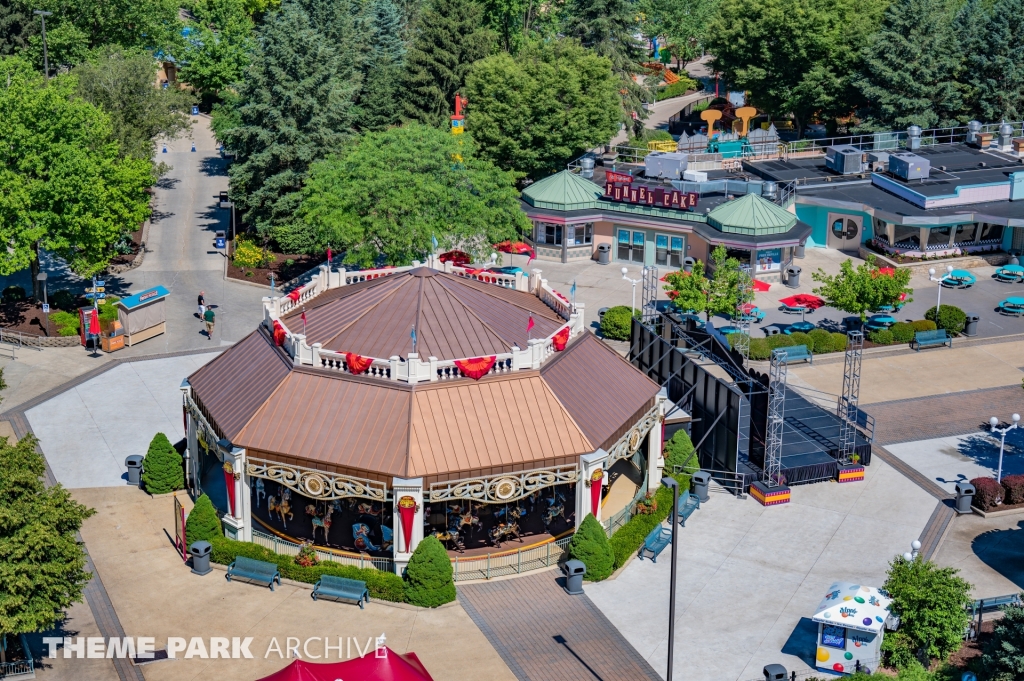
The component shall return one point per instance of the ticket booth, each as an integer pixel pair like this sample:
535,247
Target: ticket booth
143,315
851,622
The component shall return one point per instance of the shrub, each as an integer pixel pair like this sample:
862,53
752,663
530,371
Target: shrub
616,323
306,557
780,340
203,523
950,318
923,325
14,294
902,332
676,89
987,493
838,341
1013,488
385,586
678,451
821,340
881,337
161,469
759,349
800,338
248,254
63,300
66,322
1003,656
590,545
627,539
108,311
429,580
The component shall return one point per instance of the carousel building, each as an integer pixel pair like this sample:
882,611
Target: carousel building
372,408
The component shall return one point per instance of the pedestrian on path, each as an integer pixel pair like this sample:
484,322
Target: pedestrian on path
202,305
208,319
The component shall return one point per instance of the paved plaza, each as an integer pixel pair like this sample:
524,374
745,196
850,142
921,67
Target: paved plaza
949,460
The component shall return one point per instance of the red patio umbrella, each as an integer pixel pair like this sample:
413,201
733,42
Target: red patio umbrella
457,258
518,247
804,300
761,285
389,667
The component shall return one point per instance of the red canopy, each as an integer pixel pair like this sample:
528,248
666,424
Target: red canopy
515,247
457,258
389,667
761,285
803,300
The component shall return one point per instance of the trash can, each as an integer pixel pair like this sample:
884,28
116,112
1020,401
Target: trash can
700,485
574,571
971,327
134,464
200,551
771,330
604,254
600,314
219,240
964,495
688,264
793,276
799,251
775,672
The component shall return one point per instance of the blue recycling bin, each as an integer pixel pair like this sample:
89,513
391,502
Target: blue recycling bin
195,110
219,241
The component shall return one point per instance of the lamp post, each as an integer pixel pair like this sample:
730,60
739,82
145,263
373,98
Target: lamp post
993,422
41,278
672,484
634,282
931,276
46,62
915,549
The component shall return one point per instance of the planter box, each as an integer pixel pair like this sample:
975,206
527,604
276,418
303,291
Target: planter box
1000,510
769,496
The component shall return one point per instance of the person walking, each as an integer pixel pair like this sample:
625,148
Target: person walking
202,305
208,319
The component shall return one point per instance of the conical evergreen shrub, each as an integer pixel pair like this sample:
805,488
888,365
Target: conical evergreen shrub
590,545
428,578
203,523
162,471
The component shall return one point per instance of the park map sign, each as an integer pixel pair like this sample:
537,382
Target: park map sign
620,187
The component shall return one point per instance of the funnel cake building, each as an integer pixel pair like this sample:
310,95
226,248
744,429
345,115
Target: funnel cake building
372,408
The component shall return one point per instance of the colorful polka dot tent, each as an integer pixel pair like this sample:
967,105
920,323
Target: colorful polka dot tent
851,624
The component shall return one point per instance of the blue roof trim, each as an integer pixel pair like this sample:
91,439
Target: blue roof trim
141,298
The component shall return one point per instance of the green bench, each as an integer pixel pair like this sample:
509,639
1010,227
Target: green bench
688,503
341,588
254,570
656,541
924,339
796,352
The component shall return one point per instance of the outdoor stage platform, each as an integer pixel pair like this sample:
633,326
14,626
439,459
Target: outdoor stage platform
810,441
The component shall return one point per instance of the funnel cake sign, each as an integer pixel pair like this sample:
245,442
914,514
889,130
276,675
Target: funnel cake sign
649,196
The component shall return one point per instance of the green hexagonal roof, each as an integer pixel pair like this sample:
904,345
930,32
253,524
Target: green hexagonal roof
562,191
751,214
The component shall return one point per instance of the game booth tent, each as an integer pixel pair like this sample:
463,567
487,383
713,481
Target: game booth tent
851,622
382,664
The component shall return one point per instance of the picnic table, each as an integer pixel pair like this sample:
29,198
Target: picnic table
1010,273
879,321
959,279
1012,306
802,327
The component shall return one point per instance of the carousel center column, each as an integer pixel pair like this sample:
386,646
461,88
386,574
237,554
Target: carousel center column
238,520
407,497
656,445
589,487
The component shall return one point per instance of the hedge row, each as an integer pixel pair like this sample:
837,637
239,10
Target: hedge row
818,341
385,586
987,493
900,332
627,539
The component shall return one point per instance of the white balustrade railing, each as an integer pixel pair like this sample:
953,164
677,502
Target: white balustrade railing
516,281
555,300
445,370
366,275
328,359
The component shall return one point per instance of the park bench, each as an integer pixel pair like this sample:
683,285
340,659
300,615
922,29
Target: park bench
924,339
688,503
254,570
656,541
341,588
795,352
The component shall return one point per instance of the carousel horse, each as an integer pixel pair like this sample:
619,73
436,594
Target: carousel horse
450,536
468,520
361,535
323,522
283,507
552,512
259,491
367,509
504,532
514,513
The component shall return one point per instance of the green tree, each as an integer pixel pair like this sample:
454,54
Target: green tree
714,295
203,522
911,66
683,25
387,194
537,111
63,187
451,35
162,471
1003,657
590,546
678,451
996,67
688,290
294,109
216,51
932,604
42,563
16,26
381,95
121,83
861,290
970,25
428,578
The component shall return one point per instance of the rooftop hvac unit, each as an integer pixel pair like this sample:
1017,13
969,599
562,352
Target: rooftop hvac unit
908,166
668,165
844,159
878,161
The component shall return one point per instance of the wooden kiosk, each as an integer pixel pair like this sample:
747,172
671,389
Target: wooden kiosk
143,315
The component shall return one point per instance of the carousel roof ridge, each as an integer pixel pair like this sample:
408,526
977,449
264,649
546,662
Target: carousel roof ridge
370,308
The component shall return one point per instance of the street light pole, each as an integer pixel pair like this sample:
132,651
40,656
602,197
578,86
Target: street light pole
634,282
993,422
672,484
41,278
931,276
46,62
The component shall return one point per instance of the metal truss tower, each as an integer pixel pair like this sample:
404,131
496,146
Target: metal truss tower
776,414
847,407
649,295
742,319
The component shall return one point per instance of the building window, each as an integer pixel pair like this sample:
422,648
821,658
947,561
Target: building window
938,237
580,235
547,233
991,233
908,236
965,234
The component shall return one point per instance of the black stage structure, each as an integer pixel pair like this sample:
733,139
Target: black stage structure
729,417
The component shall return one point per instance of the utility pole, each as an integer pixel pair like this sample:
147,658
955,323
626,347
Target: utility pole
46,63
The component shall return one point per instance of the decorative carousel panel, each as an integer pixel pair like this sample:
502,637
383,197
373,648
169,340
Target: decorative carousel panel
629,444
505,487
316,484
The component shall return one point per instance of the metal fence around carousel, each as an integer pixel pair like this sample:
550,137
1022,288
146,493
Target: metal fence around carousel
288,548
535,557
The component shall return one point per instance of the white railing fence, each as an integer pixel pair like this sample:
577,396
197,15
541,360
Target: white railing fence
288,548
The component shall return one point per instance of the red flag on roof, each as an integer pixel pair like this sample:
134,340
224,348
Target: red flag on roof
529,325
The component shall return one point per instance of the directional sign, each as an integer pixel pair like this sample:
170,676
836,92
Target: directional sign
99,282
92,296
95,289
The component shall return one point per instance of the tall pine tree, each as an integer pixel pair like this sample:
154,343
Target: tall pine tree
970,25
450,37
379,100
910,68
16,26
997,71
295,108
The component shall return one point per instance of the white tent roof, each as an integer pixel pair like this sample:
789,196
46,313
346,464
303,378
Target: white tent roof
854,606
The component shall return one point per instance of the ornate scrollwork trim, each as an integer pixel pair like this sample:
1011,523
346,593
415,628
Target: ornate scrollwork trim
316,484
628,444
206,436
504,487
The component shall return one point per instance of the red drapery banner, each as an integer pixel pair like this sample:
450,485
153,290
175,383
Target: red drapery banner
357,364
560,339
476,367
229,482
595,490
294,295
279,333
407,511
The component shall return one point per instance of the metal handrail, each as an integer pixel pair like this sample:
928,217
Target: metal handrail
289,548
536,557
732,481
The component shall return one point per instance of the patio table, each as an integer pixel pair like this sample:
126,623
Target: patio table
1013,306
960,278
802,327
879,321
1010,273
